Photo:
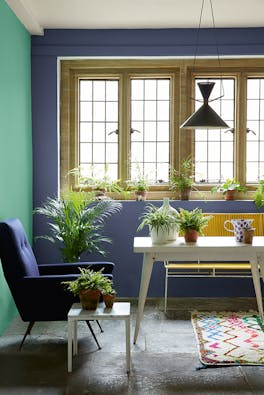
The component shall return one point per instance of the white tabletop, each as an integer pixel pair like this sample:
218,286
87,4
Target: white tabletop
119,309
144,244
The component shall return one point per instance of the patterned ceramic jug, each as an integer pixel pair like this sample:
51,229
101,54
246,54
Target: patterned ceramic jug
238,225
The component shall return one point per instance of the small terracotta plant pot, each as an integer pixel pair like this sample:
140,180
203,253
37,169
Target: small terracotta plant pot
89,298
248,235
141,195
230,194
185,193
191,236
109,300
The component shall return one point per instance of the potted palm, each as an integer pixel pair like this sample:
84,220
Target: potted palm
182,180
160,221
191,223
77,222
88,287
228,188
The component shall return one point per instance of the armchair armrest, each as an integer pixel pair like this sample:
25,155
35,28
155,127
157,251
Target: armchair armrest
73,268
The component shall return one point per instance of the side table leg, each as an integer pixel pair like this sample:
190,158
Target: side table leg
75,337
256,281
69,345
128,357
144,284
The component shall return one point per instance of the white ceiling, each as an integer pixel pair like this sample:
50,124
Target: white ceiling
38,15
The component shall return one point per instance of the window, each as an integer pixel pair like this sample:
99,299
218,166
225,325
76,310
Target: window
124,116
255,130
214,149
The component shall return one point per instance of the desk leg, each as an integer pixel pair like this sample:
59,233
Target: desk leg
256,281
261,265
144,284
128,344
69,345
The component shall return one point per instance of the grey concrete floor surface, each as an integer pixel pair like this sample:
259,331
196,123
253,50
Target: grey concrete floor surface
163,361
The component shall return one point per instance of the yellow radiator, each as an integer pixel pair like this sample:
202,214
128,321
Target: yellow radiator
216,224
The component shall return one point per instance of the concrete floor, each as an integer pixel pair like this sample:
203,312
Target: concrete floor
164,360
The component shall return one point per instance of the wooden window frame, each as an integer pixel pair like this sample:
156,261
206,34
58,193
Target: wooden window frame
183,73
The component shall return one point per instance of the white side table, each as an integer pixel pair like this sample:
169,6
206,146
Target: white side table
119,311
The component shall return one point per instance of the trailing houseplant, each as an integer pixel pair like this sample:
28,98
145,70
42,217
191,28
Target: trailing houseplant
228,188
88,287
77,222
160,221
100,184
191,223
182,180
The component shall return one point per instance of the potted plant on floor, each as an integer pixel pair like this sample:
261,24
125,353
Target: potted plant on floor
160,221
191,223
88,287
77,222
182,181
229,188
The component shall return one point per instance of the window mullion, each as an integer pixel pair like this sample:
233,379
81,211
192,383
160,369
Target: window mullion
124,127
240,128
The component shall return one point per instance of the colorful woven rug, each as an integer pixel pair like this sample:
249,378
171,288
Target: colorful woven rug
226,338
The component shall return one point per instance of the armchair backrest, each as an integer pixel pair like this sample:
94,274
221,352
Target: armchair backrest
18,259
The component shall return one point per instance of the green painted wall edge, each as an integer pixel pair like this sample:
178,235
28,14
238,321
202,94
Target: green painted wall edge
15,136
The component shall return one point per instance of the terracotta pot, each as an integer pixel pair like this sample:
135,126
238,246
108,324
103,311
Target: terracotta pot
185,193
230,195
248,235
191,236
109,300
140,195
89,298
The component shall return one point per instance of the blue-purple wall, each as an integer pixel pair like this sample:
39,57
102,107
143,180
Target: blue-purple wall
122,228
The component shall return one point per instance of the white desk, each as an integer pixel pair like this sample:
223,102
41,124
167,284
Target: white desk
119,311
206,249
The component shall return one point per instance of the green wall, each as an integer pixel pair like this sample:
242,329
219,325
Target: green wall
15,135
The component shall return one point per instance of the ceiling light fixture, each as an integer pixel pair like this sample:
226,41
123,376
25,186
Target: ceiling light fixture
205,117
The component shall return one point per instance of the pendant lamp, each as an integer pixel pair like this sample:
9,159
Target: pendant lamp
205,117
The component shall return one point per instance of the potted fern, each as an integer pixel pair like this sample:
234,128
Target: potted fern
182,180
88,287
191,223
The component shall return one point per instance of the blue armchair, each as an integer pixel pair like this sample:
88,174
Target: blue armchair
37,289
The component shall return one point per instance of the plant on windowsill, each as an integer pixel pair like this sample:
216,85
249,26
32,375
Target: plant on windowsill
77,222
259,195
182,181
160,222
229,188
191,223
88,286
99,185
140,187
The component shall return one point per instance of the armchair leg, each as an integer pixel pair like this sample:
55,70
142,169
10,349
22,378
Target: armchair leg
98,323
93,334
30,326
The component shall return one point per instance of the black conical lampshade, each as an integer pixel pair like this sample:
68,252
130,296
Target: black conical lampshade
205,117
